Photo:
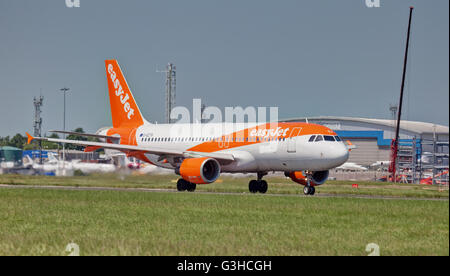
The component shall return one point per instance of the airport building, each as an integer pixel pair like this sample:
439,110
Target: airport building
422,146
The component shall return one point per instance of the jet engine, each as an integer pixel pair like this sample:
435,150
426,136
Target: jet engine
317,178
203,170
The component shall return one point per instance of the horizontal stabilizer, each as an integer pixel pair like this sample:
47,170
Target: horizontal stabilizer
113,138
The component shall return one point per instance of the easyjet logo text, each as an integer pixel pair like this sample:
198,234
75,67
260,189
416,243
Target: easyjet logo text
269,132
124,97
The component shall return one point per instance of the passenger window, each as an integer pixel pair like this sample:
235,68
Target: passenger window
311,139
319,138
329,138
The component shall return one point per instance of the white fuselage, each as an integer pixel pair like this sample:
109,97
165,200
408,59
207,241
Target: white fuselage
273,151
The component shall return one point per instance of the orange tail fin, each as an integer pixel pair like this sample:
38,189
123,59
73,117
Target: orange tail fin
124,110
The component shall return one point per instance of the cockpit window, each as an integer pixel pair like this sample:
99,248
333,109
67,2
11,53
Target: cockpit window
329,138
337,138
312,138
319,138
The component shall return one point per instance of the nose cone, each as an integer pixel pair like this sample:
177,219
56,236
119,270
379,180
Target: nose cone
339,155
344,154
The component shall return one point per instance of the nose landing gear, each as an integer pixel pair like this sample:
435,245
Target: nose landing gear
258,185
308,189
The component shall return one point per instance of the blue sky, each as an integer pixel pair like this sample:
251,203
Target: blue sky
309,58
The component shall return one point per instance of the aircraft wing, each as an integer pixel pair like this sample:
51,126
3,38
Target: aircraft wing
156,151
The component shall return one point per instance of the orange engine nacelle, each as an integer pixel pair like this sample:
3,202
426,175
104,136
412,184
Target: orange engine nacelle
202,170
318,178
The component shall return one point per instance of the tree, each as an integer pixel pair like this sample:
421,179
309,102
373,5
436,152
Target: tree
76,137
50,145
18,141
4,141
30,146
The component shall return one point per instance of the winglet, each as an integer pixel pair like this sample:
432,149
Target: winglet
30,138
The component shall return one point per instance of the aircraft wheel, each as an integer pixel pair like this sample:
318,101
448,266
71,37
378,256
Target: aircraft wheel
253,186
312,190
306,190
262,187
191,186
181,185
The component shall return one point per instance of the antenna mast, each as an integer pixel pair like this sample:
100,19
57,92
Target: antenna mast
37,123
394,144
171,85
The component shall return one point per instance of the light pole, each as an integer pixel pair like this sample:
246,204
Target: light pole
64,90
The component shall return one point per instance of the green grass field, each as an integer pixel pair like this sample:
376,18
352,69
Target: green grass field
43,222
278,185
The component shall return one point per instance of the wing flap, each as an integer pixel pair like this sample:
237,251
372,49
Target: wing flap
215,155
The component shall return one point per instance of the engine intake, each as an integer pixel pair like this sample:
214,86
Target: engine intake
317,178
202,170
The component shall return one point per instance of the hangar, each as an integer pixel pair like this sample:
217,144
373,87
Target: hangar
422,146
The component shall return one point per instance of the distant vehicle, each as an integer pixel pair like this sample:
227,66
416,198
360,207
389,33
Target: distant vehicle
7,165
438,180
304,152
426,158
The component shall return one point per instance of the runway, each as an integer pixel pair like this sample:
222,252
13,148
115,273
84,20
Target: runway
156,190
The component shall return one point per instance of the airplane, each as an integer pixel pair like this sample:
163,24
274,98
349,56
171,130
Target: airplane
53,165
57,166
381,163
350,166
199,153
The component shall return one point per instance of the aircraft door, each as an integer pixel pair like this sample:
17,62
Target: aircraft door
292,140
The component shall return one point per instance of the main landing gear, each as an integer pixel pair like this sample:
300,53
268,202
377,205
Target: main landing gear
183,185
258,185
